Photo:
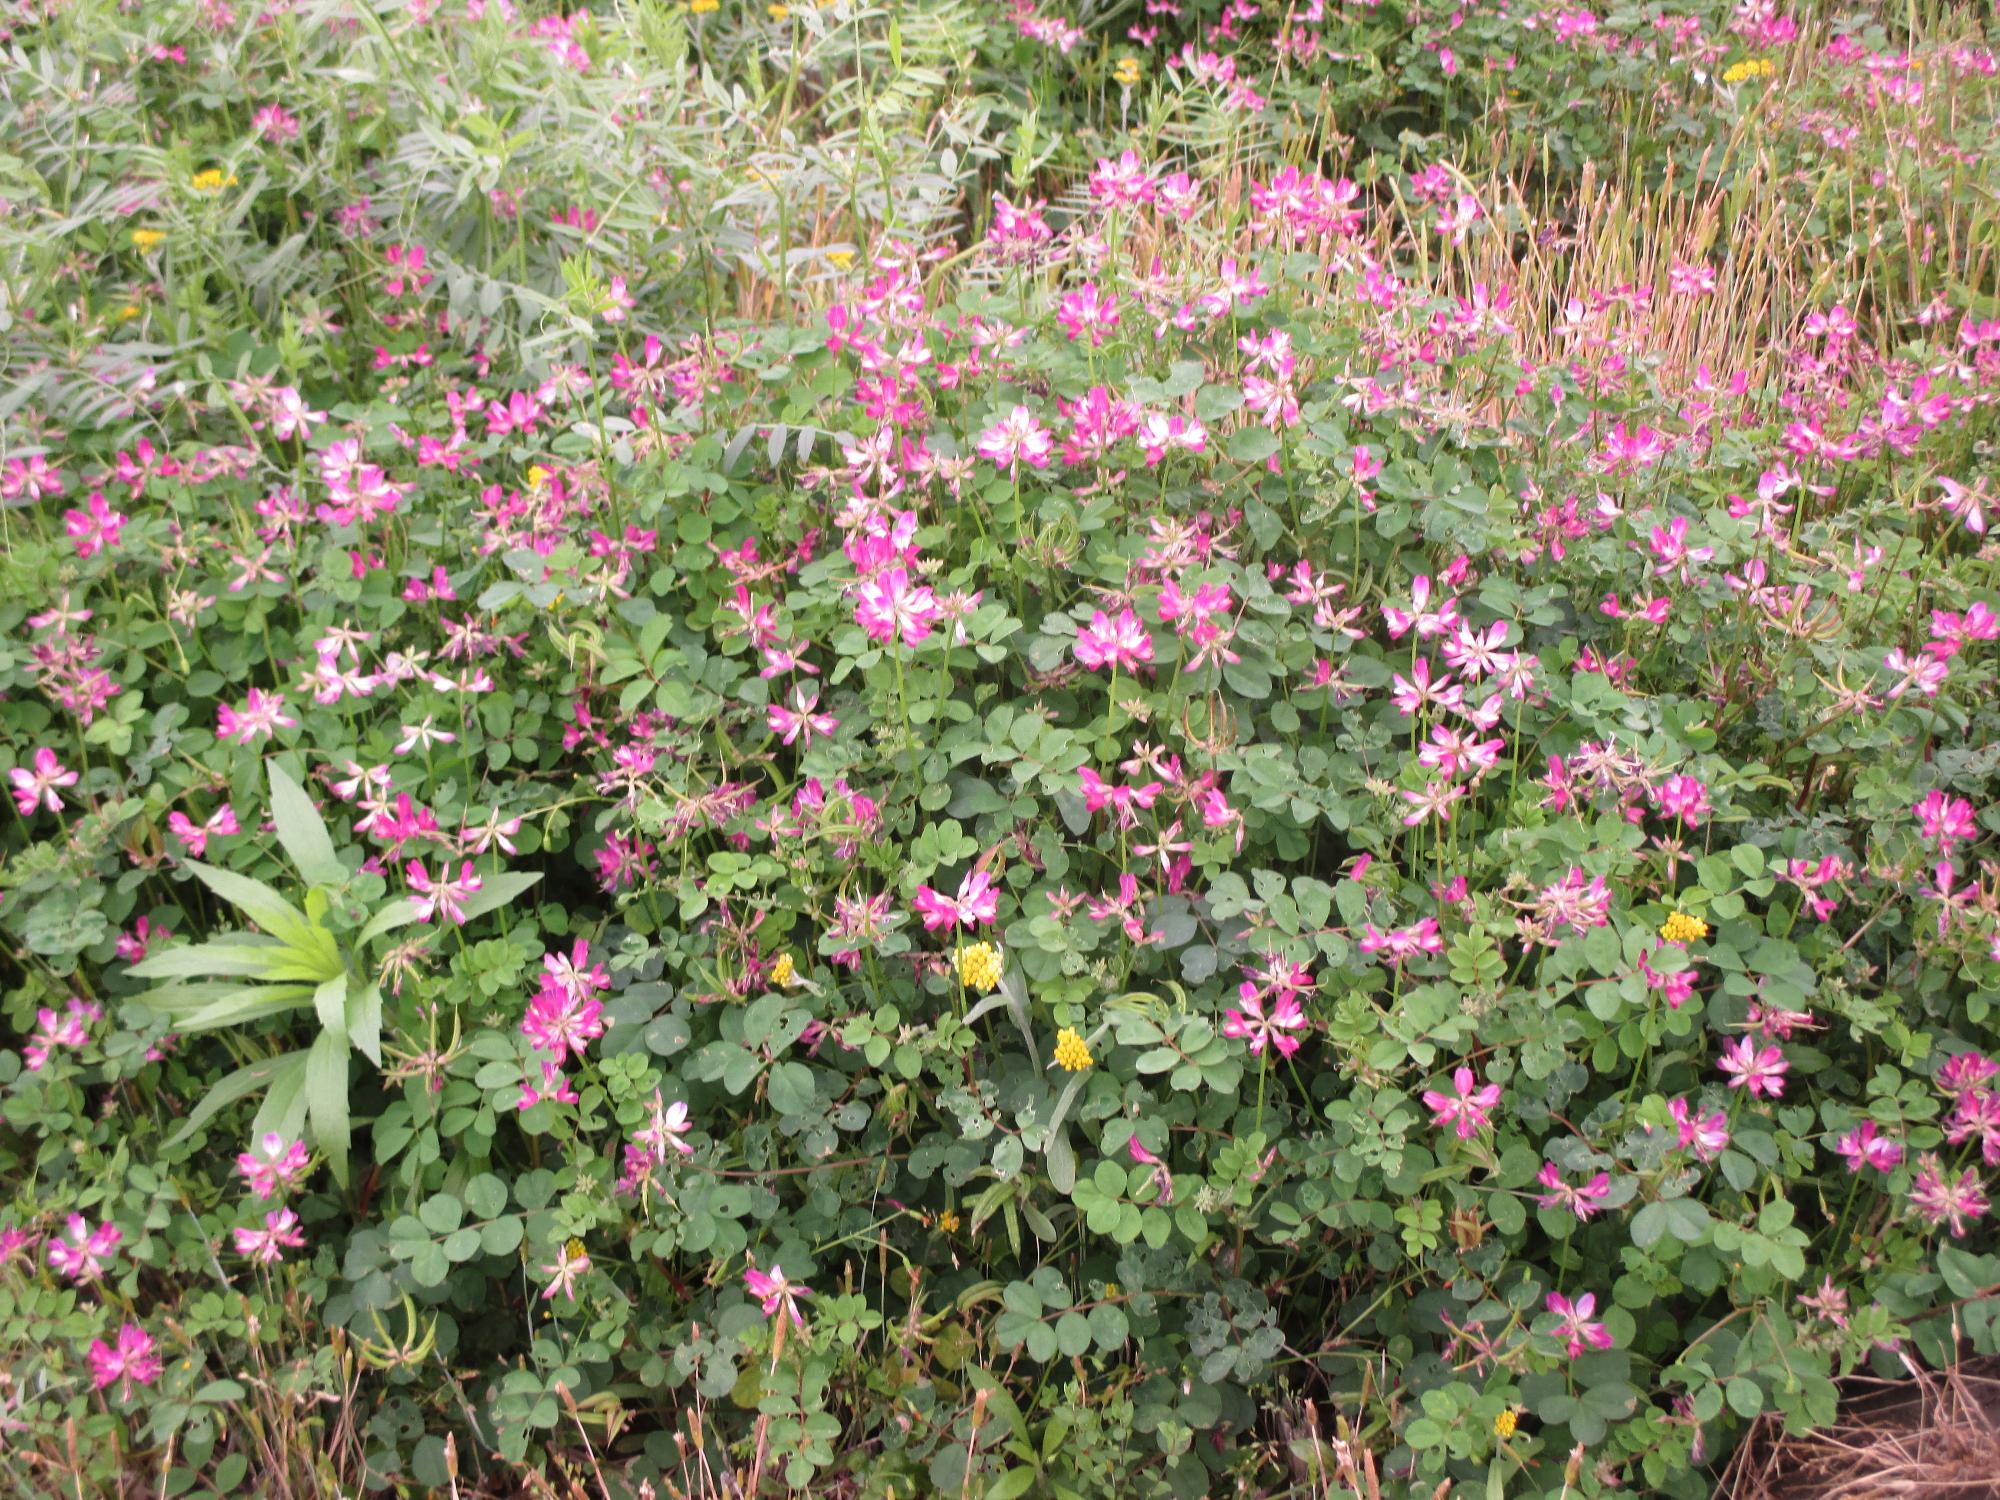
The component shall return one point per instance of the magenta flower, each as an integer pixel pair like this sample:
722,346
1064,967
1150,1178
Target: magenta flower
131,1361
1705,1135
569,1266
1163,1180
260,717
274,1164
562,1022
80,1252
890,606
1761,1070
267,1246
94,528
976,905
1466,1109
1122,643
37,788
1946,820
664,1127
1576,1329
1018,438
776,1295
1865,1146
1262,1028
443,897
1581,1201
1977,1117
1939,1198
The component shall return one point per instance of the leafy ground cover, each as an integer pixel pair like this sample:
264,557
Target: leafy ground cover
1164,749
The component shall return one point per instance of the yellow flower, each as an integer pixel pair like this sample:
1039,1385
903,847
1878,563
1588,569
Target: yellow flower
126,313
537,476
778,12
1682,928
211,181
948,1221
1505,1423
1071,1051
979,967
841,258
1127,71
1750,67
146,239
704,7
784,971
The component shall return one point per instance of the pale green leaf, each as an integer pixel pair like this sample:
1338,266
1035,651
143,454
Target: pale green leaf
326,1099
302,831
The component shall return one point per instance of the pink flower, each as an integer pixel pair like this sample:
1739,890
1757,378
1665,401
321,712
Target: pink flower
977,904
571,1262
1466,1109
260,717
1018,438
1682,797
1122,644
95,528
1163,1180
1865,1146
1086,311
1946,820
267,1246
776,1295
37,788
1576,1330
1581,1201
890,606
563,1019
274,1164
664,1127
1261,1029
130,1362
132,945
1761,1070
1977,1117
1941,1199
80,1252
443,897
1705,1135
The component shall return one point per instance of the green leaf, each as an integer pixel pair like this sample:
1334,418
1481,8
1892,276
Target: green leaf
260,904
496,892
257,1003
241,1084
364,1021
284,1107
326,1099
398,913
302,831
249,957
330,1001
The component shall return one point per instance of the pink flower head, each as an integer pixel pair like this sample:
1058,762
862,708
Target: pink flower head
1576,1330
260,717
267,1246
94,528
1581,1201
664,1127
569,1266
1705,1135
80,1252
1017,438
1947,821
444,897
274,1164
892,606
1865,1146
1940,1198
976,905
1265,1028
129,1362
1467,1109
37,788
1121,643
776,1295
1761,1070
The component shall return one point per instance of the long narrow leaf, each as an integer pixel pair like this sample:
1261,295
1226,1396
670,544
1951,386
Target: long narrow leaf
241,1084
301,830
270,1000
330,1002
284,1108
364,1021
248,956
258,902
326,1099
398,913
497,892
179,1000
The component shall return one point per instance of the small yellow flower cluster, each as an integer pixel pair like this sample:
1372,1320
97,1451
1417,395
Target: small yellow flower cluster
1750,67
1505,1423
947,1222
1127,71
704,7
778,12
1071,1051
979,967
537,476
211,181
1682,928
784,971
146,239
